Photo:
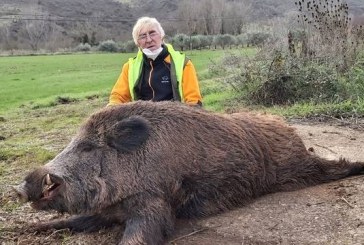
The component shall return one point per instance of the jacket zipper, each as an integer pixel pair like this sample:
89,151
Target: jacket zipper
150,79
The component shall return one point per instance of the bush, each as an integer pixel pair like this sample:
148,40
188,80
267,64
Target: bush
274,77
108,46
257,39
321,61
180,41
195,42
325,30
83,47
242,40
205,41
130,47
313,83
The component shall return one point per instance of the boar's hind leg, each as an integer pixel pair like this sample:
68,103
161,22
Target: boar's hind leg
81,223
150,222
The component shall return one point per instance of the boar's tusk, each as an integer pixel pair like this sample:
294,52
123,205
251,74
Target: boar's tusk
48,185
48,180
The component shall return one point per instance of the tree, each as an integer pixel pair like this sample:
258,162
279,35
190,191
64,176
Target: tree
130,46
180,41
205,41
195,42
219,41
229,39
213,16
5,38
188,13
236,16
37,29
93,41
242,40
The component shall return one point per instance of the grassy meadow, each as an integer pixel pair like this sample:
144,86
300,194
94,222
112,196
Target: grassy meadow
36,79
39,80
43,99
34,126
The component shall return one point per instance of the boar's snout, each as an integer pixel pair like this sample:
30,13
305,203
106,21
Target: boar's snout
39,188
20,192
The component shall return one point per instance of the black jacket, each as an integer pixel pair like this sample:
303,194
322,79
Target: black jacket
155,79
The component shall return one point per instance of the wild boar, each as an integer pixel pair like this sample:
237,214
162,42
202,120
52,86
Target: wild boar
145,164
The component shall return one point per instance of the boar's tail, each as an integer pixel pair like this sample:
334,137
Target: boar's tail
315,170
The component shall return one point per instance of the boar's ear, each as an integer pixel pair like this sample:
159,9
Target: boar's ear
128,134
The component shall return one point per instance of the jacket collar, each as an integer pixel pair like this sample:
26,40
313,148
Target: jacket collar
160,57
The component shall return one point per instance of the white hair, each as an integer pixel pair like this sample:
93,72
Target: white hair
146,22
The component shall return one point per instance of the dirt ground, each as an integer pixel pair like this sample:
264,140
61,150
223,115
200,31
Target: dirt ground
331,213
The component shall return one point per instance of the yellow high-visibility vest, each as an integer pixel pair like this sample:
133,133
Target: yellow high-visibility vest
178,61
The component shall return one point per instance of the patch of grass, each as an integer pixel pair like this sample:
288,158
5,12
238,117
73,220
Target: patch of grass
10,205
11,153
345,109
64,99
42,155
66,236
211,87
202,58
40,81
220,101
33,78
2,169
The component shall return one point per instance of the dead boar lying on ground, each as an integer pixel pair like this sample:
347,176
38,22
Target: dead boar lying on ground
145,164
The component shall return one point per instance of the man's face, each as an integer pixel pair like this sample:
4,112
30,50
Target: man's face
150,38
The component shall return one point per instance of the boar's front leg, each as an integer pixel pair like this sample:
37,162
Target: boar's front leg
86,223
80,223
150,221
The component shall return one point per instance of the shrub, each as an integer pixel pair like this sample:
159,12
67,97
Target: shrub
195,42
205,41
257,38
242,40
319,62
83,47
326,31
130,46
274,77
312,82
219,41
108,46
180,41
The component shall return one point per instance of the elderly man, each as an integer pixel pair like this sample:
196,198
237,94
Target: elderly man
158,72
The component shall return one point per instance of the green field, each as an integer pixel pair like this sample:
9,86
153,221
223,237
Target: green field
32,131
40,79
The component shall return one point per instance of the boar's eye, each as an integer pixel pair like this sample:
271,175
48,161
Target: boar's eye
129,134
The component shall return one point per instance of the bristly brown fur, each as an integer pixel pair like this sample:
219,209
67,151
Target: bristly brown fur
145,164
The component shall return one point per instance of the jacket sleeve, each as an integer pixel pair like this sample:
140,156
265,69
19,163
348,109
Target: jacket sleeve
190,86
120,93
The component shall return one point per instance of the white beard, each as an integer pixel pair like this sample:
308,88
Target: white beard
152,54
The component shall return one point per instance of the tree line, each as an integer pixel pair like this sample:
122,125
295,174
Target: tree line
193,18
185,42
